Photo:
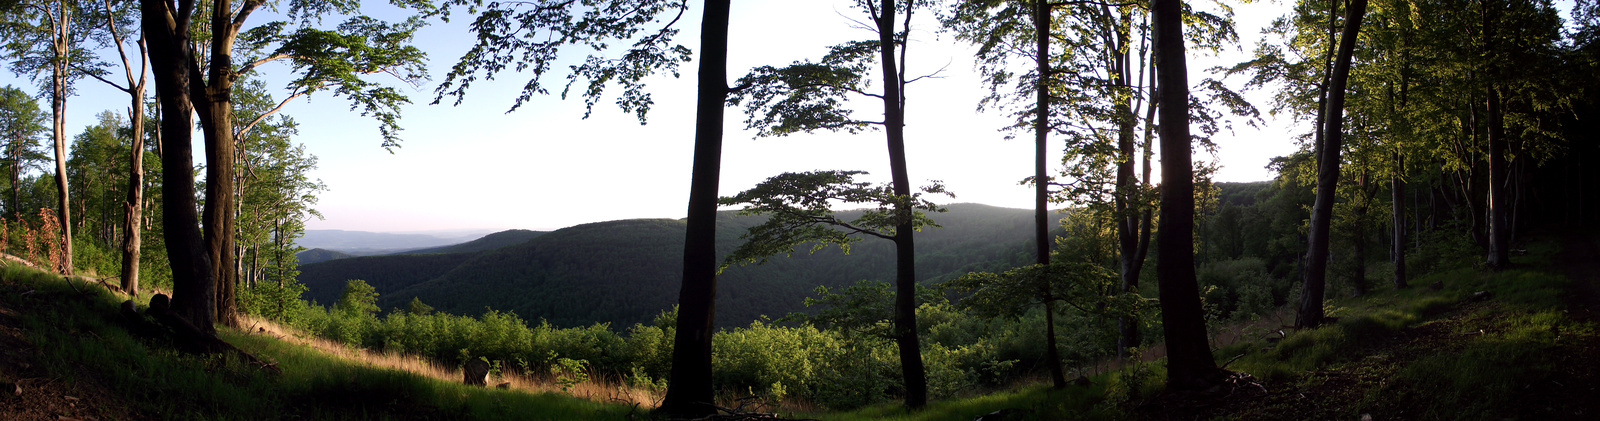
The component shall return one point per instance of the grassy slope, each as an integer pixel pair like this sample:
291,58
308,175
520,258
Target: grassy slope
1417,353
83,345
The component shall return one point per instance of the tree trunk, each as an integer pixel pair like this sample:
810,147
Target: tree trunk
905,301
1397,195
193,288
1359,278
1127,190
1499,231
131,239
1316,272
217,126
1041,184
1189,362
58,107
689,392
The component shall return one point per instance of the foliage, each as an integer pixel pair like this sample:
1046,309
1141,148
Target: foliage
358,299
528,37
799,210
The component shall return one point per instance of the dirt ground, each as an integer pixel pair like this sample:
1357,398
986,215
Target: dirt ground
27,392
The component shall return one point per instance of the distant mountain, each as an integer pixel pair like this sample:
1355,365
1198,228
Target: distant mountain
624,272
320,255
488,242
347,241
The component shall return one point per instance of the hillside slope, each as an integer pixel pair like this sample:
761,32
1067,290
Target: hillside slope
625,272
488,242
320,255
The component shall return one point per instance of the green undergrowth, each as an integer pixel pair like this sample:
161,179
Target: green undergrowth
1031,403
1485,359
84,342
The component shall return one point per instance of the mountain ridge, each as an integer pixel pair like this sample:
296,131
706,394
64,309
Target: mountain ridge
627,271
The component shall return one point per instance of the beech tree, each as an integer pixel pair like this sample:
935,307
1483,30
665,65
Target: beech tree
322,60
21,124
810,96
45,37
117,24
531,37
1190,365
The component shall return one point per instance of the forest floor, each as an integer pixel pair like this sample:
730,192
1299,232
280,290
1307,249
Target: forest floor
1481,358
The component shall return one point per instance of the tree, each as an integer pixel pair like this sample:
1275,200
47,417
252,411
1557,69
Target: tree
531,37
323,60
118,22
1315,278
275,195
45,38
166,32
358,299
811,96
1189,362
798,207
21,124
689,391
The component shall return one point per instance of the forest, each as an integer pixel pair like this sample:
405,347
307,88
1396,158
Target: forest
1428,251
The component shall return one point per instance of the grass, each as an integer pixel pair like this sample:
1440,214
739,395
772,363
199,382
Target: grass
83,341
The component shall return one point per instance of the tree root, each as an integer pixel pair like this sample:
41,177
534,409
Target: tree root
189,338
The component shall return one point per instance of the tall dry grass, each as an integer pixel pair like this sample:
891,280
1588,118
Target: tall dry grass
598,388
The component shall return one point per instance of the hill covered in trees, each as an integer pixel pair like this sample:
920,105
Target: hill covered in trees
626,272
488,242
320,255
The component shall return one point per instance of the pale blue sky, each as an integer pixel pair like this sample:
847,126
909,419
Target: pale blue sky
544,167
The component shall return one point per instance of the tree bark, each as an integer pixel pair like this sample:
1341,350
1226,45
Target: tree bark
1189,362
1499,231
171,60
1127,206
689,392
1041,184
905,302
1315,282
132,238
58,105
217,126
1397,195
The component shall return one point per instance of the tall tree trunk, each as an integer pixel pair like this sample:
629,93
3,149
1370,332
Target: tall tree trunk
133,208
1189,362
1041,184
58,107
905,297
1315,282
1128,190
132,238
220,145
193,288
689,391
1397,195
1499,221
1359,278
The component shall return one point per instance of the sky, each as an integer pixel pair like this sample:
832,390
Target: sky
476,167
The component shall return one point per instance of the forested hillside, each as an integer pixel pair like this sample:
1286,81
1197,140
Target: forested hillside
319,255
626,272
487,242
